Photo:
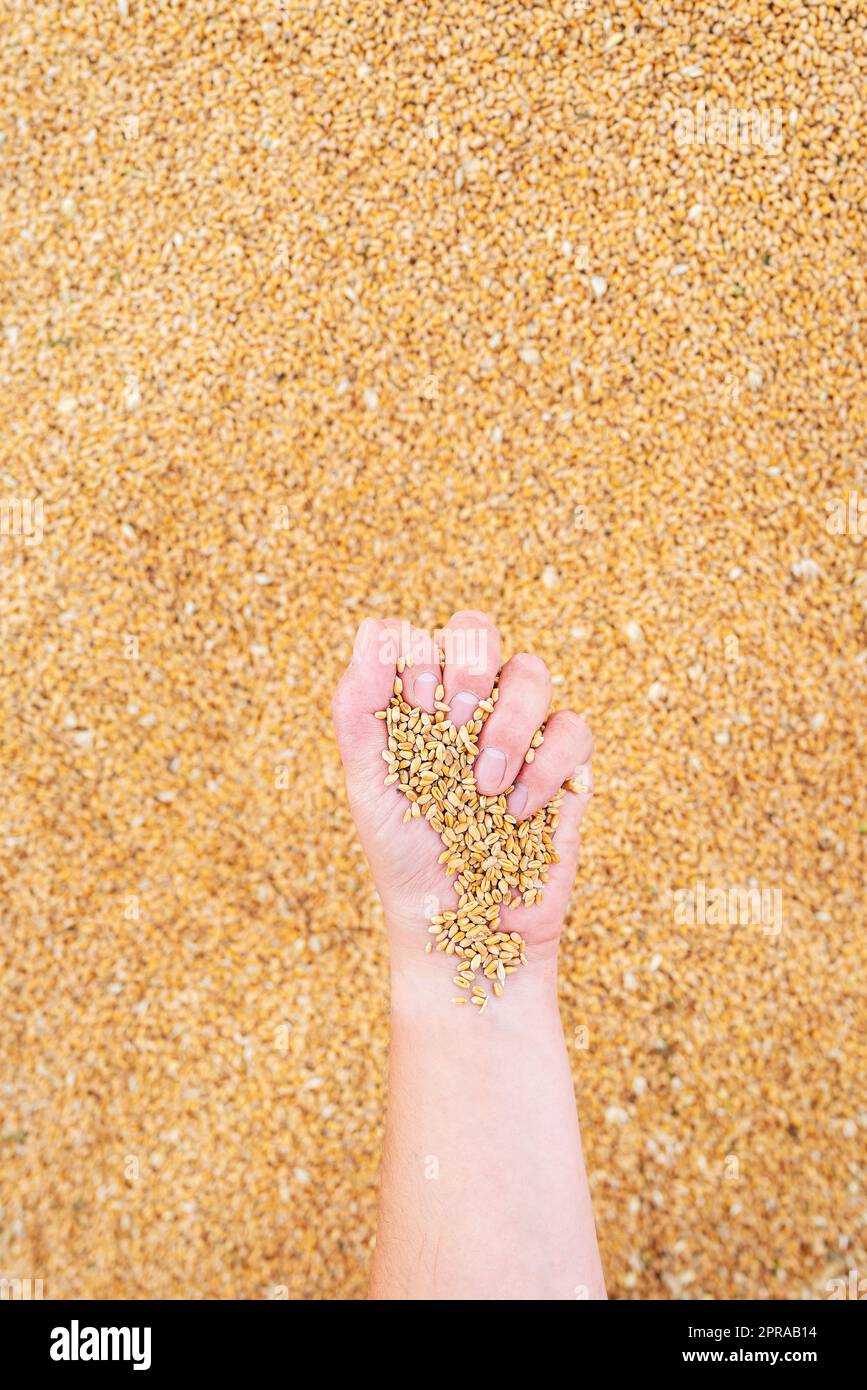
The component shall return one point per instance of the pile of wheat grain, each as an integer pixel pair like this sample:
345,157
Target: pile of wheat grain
554,310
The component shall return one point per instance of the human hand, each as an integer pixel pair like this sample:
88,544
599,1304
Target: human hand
404,855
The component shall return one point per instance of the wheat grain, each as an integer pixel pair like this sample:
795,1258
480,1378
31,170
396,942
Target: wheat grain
494,860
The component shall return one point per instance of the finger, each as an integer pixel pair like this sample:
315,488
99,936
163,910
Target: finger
366,686
524,697
420,669
472,651
560,876
572,811
567,743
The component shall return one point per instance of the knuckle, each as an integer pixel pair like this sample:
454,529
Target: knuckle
577,728
531,666
473,615
472,644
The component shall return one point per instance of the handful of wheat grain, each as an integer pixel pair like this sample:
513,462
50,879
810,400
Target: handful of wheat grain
494,859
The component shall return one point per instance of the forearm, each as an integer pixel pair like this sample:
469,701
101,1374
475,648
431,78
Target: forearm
484,1190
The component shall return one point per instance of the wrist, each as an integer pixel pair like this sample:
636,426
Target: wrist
423,983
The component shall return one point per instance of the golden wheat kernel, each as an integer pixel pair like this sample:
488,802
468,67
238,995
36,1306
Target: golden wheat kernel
460,999
498,989
475,831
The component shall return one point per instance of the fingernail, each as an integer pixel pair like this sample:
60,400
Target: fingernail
490,769
518,800
463,707
363,638
423,689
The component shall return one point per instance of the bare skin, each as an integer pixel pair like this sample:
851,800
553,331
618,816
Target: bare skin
484,1190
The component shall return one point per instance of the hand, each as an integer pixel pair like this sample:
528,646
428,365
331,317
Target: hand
404,855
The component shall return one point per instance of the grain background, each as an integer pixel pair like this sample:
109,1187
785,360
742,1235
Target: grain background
311,311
